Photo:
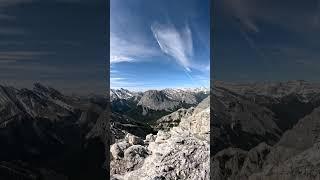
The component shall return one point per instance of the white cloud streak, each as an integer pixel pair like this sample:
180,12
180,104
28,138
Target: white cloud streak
243,10
289,15
13,56
11,31
119,82
176,44
124,50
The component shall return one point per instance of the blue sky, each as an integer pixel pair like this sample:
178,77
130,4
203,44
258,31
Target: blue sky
266,40
60,43
159,44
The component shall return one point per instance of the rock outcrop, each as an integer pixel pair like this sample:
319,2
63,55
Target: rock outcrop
180,153
173,119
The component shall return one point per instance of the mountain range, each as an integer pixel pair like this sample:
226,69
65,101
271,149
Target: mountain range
45,134
265,130
259,130
150,105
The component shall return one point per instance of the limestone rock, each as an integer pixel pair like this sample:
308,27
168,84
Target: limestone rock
133,140
180,153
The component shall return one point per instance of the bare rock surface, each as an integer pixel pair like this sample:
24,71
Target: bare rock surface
180,153
173,119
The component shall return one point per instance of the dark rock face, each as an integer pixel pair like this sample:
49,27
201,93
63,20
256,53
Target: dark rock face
20,170
281,140
43,135
121,125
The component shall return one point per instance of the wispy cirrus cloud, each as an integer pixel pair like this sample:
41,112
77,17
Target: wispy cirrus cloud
175,43
155,52
14,56
244,11
122,49
11,31
117,81
295,15
120,82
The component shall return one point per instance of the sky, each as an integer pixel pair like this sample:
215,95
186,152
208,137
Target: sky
60,43
266,40
159,44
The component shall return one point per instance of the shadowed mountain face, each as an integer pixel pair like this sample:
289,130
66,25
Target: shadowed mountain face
44,134
265,130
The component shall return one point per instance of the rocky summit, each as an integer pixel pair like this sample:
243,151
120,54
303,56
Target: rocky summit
179,150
